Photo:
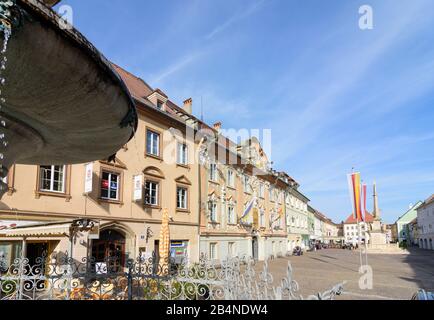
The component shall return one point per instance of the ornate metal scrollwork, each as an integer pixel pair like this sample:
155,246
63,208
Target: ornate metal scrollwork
61,278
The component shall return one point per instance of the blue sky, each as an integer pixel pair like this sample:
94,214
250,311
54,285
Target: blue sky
335,96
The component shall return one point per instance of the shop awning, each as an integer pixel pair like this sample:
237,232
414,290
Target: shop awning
59,229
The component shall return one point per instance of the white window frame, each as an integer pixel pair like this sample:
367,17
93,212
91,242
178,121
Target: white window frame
262,218
261,190
213,251
213,172
246,184
212,208
231,178
157,187
231,214
51,179
153,143
160,105
182,153
109,186
231,249
181,198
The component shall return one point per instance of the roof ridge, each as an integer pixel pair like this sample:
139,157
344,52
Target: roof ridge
133,75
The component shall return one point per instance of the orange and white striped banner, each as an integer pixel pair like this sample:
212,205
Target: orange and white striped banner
356,194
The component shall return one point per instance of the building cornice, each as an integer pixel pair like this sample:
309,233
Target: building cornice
49,216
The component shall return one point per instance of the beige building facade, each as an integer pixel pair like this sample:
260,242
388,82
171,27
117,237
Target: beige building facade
154,171
223,198
243,212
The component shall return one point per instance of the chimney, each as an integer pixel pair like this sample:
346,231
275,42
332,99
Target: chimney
188,106
218,126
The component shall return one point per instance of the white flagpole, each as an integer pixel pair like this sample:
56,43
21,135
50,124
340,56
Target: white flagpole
364,213
360,241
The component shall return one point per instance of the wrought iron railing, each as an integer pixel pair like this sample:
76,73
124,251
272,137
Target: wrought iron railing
62,278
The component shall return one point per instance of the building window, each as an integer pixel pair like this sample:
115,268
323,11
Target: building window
52,179
152,143
271,194
160,104
231,249
182,154
231,215
231,179
261,191
212,208
110,185
213,251
182,198
262,219
246,184
151,193
213,172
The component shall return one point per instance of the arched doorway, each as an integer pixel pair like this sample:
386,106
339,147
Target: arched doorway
109,250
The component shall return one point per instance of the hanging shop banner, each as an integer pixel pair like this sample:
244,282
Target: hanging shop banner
88,178
255,218
138,182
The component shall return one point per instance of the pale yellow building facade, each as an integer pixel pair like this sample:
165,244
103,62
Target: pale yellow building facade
44,200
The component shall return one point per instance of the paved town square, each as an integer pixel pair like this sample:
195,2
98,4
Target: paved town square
396,276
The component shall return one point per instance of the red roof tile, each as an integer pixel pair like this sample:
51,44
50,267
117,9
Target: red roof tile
429,200
138,88
352,220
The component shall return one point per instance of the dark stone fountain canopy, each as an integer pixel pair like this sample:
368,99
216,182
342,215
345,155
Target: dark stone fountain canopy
64,102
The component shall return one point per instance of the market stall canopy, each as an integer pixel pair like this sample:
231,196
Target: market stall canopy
39,230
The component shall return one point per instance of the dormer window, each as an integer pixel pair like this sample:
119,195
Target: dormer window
160,105
158,98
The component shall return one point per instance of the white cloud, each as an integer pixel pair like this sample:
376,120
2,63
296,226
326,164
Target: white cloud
235,18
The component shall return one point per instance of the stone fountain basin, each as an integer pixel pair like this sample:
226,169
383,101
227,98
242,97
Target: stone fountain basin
64,102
